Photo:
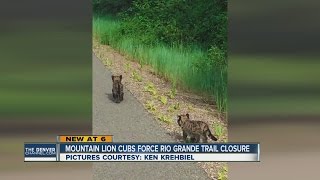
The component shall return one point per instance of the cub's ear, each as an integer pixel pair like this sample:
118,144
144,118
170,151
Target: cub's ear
120,77
179,120
188,115
112,77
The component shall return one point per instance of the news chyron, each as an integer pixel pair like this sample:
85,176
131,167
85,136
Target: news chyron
101,148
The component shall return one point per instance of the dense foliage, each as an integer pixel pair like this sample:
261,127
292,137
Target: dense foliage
198,22
177,24
110,7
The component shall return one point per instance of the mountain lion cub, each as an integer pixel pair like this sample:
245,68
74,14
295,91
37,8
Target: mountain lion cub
117,88
194,129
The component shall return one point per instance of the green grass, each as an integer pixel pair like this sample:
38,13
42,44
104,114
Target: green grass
105,28
175,64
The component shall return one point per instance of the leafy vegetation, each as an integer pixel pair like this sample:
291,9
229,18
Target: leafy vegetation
164,118
223,173
107,63
184,41
127,67
110,6
150,106
218,129
136,76
173,107
172,93
150,88
163,100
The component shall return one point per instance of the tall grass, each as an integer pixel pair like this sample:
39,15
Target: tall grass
171,62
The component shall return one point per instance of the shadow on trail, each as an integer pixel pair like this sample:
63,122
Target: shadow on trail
176,136
110,97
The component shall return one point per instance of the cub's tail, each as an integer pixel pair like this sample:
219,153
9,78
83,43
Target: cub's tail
210,135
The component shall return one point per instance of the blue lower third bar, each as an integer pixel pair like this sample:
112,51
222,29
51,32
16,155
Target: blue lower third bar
40,152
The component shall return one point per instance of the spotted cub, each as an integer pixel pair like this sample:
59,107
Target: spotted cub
195,130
